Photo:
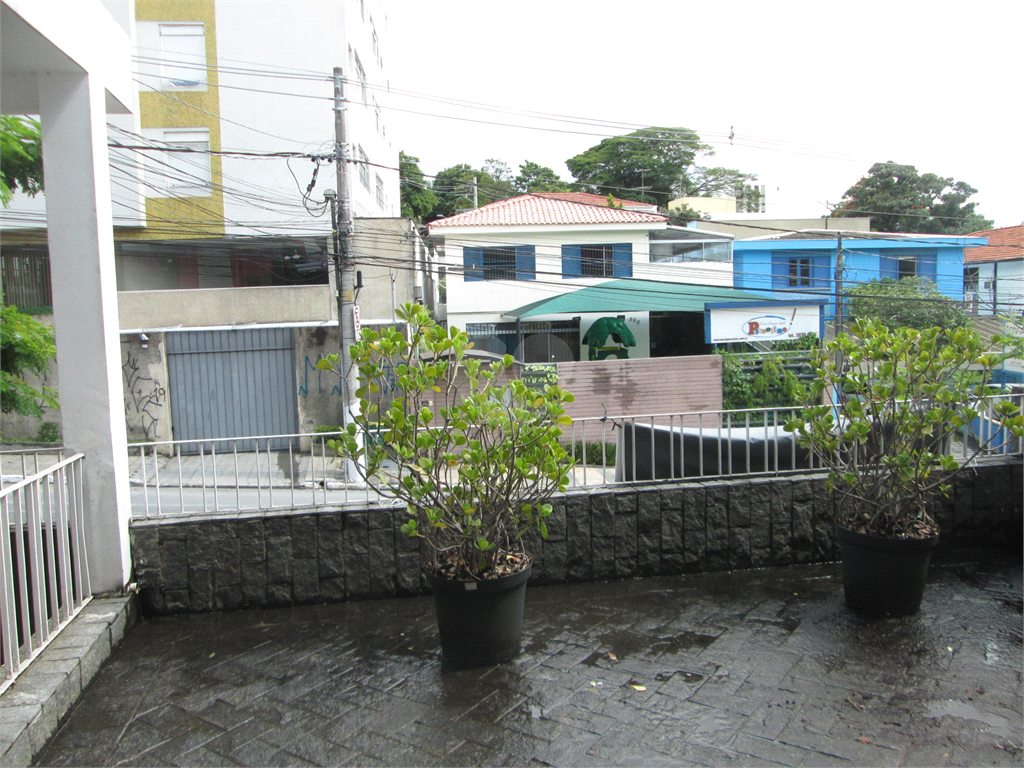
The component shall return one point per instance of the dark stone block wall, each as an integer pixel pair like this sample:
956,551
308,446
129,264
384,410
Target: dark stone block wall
290,558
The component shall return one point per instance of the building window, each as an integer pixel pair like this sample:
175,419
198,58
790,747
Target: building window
971,275
179,174
182,57
799,273
380,192
364,168
516,262
611,260
915,264
376,114
361,77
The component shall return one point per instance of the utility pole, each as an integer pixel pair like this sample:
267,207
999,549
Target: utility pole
839,301
344,266
476,197
839,284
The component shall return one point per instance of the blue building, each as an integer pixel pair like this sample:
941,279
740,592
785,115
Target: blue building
801,265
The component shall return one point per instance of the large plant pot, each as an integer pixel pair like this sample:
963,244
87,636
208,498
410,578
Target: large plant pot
480,622
883,576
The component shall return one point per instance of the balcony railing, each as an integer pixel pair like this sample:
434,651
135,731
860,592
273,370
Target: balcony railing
44,578
218,477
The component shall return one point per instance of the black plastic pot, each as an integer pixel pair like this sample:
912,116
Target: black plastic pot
884,576
480,622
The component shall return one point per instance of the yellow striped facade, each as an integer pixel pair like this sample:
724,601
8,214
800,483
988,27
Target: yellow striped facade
170,218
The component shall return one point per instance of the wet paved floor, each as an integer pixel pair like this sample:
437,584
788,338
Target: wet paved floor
749,668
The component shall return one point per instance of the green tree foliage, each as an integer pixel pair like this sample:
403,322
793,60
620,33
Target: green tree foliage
21,157
660,160
418,199
899,199
26,346
534,177
454,188
913,302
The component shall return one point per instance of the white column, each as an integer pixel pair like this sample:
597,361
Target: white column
78,208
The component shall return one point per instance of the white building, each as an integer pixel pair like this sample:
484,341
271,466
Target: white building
994,273
505,260
221,239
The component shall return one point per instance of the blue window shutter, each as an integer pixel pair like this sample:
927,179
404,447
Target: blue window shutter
927,266
888,267
622,260
571,261
526,262
821,267
473,264
780,271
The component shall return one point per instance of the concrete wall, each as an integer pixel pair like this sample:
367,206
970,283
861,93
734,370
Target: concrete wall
640,386
743,226
205,307
279,559
147,406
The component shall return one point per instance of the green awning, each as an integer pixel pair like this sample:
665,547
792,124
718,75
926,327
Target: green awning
635,296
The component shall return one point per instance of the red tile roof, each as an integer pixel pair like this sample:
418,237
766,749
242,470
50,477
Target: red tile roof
544,209
1003,243
592,199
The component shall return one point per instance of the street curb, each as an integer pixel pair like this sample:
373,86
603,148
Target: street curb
33,707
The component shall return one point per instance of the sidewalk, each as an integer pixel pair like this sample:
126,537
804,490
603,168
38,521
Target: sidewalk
277,468
746,668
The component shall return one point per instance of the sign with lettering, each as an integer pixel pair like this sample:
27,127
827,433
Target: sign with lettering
746,321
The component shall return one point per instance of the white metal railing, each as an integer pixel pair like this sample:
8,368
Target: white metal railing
44,578
219,476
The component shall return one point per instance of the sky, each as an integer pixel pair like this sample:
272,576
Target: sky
814,92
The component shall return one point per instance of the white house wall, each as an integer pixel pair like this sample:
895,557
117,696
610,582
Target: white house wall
490,298
1009,287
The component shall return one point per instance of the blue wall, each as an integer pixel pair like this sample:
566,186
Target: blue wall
863,259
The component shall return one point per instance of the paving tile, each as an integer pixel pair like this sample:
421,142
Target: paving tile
737,670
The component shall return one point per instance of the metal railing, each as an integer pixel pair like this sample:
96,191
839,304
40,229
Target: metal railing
220,475
216,476
44,578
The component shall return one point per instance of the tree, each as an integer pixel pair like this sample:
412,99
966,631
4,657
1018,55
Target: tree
653,165
538,178
21,157
913,302
26,346
418,199
454,188
899,199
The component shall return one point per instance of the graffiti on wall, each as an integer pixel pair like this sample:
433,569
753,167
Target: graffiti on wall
310,365
144,398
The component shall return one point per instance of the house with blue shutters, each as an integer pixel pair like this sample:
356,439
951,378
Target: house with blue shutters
505,259
793,265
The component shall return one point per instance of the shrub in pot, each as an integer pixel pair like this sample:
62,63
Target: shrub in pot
476,462
881,416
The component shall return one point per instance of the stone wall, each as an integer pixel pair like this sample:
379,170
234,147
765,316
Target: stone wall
275,559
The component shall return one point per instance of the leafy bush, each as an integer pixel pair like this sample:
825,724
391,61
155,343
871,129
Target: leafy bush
594,455
902,394
913,302
477,473
26,346
49,432
772,386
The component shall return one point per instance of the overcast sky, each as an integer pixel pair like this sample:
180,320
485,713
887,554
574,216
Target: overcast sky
816,92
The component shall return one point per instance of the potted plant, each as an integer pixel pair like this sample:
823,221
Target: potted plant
475,456
881,416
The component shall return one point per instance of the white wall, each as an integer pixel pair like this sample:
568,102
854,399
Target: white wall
1008,290
312,36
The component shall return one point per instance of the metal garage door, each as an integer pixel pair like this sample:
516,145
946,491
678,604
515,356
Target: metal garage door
232,384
